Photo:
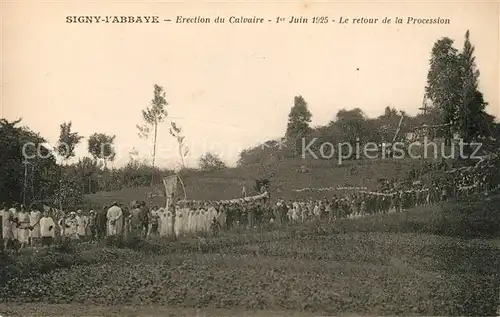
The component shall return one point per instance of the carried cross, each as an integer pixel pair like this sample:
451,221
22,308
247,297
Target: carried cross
424,107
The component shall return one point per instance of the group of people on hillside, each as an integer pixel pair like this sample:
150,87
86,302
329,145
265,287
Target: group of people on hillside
26,227
38,226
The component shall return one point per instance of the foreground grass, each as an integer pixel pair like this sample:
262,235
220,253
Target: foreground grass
421,262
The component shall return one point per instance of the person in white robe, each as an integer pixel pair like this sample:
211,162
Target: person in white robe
14,225
7,219
197,220
162,215
70,226
169,223
221,216
47,229
213,214
202,220
206,220
114,217
23,231
190,220
178,222
185,223
316,210
154,222
81,225
35,216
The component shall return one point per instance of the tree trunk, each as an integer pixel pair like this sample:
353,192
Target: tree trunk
182,156
154,158
154,144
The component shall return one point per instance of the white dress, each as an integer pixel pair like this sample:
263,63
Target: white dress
162,225
23,232
197,220
178,222
207,220
35,217
168,223
114,216
185,219
190,221
81,225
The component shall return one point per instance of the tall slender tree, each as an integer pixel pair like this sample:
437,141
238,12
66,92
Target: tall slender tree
152,116
70,191
298,128
471,119
176,132
444,81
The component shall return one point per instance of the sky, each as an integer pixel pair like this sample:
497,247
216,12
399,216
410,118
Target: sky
229,86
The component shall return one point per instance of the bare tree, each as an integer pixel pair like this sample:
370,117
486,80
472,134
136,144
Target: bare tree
176,132
153,116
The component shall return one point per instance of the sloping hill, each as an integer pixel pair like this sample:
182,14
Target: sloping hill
285,177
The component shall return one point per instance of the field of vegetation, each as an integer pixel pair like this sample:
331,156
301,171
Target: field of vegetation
437,260
285,177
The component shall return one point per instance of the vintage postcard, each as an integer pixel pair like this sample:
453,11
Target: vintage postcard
223,158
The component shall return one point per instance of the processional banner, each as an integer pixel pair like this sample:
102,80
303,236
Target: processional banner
170,183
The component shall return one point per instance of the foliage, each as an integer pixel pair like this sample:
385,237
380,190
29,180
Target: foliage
443,79
211,162
153,116
265,153
67,141
298,124
70,192
452,85
473,120
101,147
40,167
176,132
88,172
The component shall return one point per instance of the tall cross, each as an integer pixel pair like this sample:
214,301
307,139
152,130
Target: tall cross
424,107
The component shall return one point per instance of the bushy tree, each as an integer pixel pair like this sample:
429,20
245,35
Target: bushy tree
452,85
298,124
211,162
351,125
87,171
101,147
68,141
21,147
444,81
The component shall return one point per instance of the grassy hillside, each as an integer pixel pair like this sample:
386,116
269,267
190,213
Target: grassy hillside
440,260
226,184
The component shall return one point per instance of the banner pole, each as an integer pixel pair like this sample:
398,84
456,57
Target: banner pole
183,188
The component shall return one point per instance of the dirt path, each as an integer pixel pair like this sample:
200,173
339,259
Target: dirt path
41,310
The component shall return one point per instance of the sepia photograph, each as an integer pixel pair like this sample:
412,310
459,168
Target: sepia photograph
250,158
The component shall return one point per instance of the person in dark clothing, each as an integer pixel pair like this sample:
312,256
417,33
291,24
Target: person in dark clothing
101,220
144,218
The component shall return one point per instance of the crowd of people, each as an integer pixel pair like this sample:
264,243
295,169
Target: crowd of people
39,225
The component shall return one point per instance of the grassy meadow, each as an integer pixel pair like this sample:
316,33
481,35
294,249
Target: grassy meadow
435,260
286,177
